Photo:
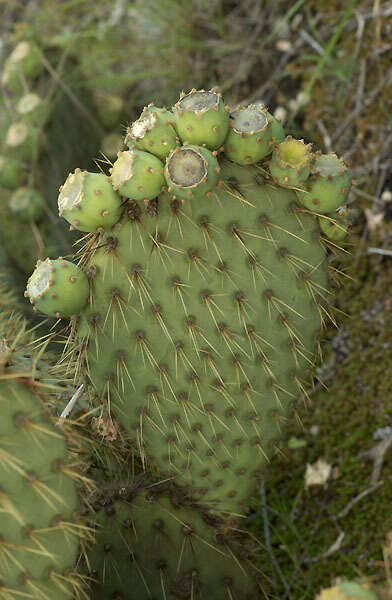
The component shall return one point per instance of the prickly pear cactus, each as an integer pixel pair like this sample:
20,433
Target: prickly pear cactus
151,541
39,475
207,295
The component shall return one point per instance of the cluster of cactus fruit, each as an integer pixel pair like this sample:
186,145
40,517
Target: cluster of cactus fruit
28,108
195,302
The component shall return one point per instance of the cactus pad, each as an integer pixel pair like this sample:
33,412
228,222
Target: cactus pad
58,288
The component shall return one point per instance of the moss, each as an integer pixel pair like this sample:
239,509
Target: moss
356,405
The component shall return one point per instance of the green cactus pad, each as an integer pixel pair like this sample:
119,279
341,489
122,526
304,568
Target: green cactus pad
191,172
203,319
137,175
24,61
39,536
153,132
11,172
23,139
328,185
291,162
88,202
348,590
32,109
202,118
249,137
58,288
277,129
157,546
27,205
335,225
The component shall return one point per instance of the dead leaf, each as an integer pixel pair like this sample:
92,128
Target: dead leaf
318,473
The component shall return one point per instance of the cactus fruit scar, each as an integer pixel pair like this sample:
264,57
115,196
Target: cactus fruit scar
154,132
191,171
58,288
328,185
202,118
250,135
348,590
26,205
88,202
291,162
137,174
207,298
32,109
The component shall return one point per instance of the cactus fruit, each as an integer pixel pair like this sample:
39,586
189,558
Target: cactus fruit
153,542
23,139
250,135
191,172
277,130
32,109
137,174
23,62
109,108
328,185
153,132
335,226
58,288
11,172
26,205
39,536
111,145
348,590
88,202
291,162
202,118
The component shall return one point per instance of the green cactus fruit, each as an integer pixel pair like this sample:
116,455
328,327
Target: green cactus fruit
191,172
23,140
202,118
58,288
348,590
328,185
153,132
202,322
111,145
11,172
32,109
158,546
335,226
137,174
24,61
109,108
39,535
88,202
291,162
249,137
277,129
26,205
